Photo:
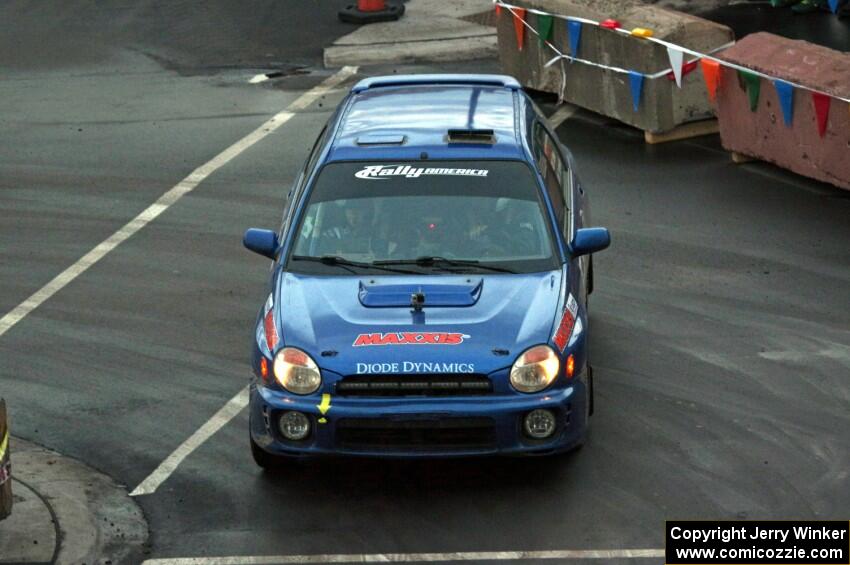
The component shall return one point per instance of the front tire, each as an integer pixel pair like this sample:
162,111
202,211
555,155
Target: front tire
264,459
588,410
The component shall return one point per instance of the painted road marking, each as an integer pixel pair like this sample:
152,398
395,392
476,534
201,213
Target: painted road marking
238,402
415,557
259,78
233,407
561,115
168,199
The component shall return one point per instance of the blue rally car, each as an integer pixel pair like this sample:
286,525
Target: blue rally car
428,295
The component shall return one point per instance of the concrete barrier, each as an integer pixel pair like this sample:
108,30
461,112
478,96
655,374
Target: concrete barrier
664,106
763,133
5,465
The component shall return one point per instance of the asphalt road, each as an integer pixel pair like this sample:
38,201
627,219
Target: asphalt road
719,321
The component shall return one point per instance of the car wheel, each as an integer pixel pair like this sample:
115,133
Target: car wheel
265,459
588,410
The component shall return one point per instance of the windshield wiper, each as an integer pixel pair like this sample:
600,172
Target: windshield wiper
347,263
434,260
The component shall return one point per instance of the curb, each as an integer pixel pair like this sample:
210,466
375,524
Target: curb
426,51
31,534
429,32
66,512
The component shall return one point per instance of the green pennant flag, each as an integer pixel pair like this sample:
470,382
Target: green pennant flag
753,82
544,28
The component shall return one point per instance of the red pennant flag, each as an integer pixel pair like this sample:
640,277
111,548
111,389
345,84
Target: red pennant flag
498,9
519,26
821,110
686,68
711,74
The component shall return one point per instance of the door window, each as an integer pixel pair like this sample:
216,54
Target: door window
556,175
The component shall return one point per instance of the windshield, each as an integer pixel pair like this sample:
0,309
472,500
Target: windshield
424,217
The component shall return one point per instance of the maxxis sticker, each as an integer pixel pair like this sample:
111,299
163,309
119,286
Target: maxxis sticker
409,338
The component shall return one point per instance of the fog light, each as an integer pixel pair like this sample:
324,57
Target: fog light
539,424
294,425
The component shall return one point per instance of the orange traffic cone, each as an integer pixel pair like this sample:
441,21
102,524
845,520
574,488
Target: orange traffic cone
370,11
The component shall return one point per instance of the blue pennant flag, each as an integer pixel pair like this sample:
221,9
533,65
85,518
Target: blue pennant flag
574,31
833,5
786,99
636,83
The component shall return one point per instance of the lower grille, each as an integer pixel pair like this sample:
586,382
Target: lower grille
441,384
441,434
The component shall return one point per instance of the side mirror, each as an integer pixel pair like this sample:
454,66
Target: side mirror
590,240
260,241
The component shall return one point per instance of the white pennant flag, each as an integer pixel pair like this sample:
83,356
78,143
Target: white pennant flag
676,59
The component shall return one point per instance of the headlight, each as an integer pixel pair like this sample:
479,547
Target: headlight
535,369
296,371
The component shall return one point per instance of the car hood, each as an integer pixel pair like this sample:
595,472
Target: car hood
469,323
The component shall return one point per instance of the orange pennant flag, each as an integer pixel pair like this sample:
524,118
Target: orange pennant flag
519,26
711,74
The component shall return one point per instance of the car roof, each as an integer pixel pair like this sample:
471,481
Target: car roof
402,116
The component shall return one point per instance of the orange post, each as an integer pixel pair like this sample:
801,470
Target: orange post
371,5
5,465
370,11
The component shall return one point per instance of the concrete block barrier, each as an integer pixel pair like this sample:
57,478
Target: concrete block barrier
663,105
5,465
762,132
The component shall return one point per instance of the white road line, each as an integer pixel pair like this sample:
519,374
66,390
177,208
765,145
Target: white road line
259,78
564,554
210,427
561,115
162,204
238,402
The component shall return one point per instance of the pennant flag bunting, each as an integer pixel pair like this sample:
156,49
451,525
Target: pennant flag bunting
676,59
711,74
753,83
544,28
519,26
821,102
711,68
574,31
636,85
687,69
785,92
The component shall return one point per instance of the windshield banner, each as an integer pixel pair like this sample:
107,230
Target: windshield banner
382,171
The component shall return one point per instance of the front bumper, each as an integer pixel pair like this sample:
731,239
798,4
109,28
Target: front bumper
419,426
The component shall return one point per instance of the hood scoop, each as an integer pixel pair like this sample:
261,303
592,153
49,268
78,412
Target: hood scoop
435,295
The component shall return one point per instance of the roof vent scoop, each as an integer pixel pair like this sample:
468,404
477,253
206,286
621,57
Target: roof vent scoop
476,136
